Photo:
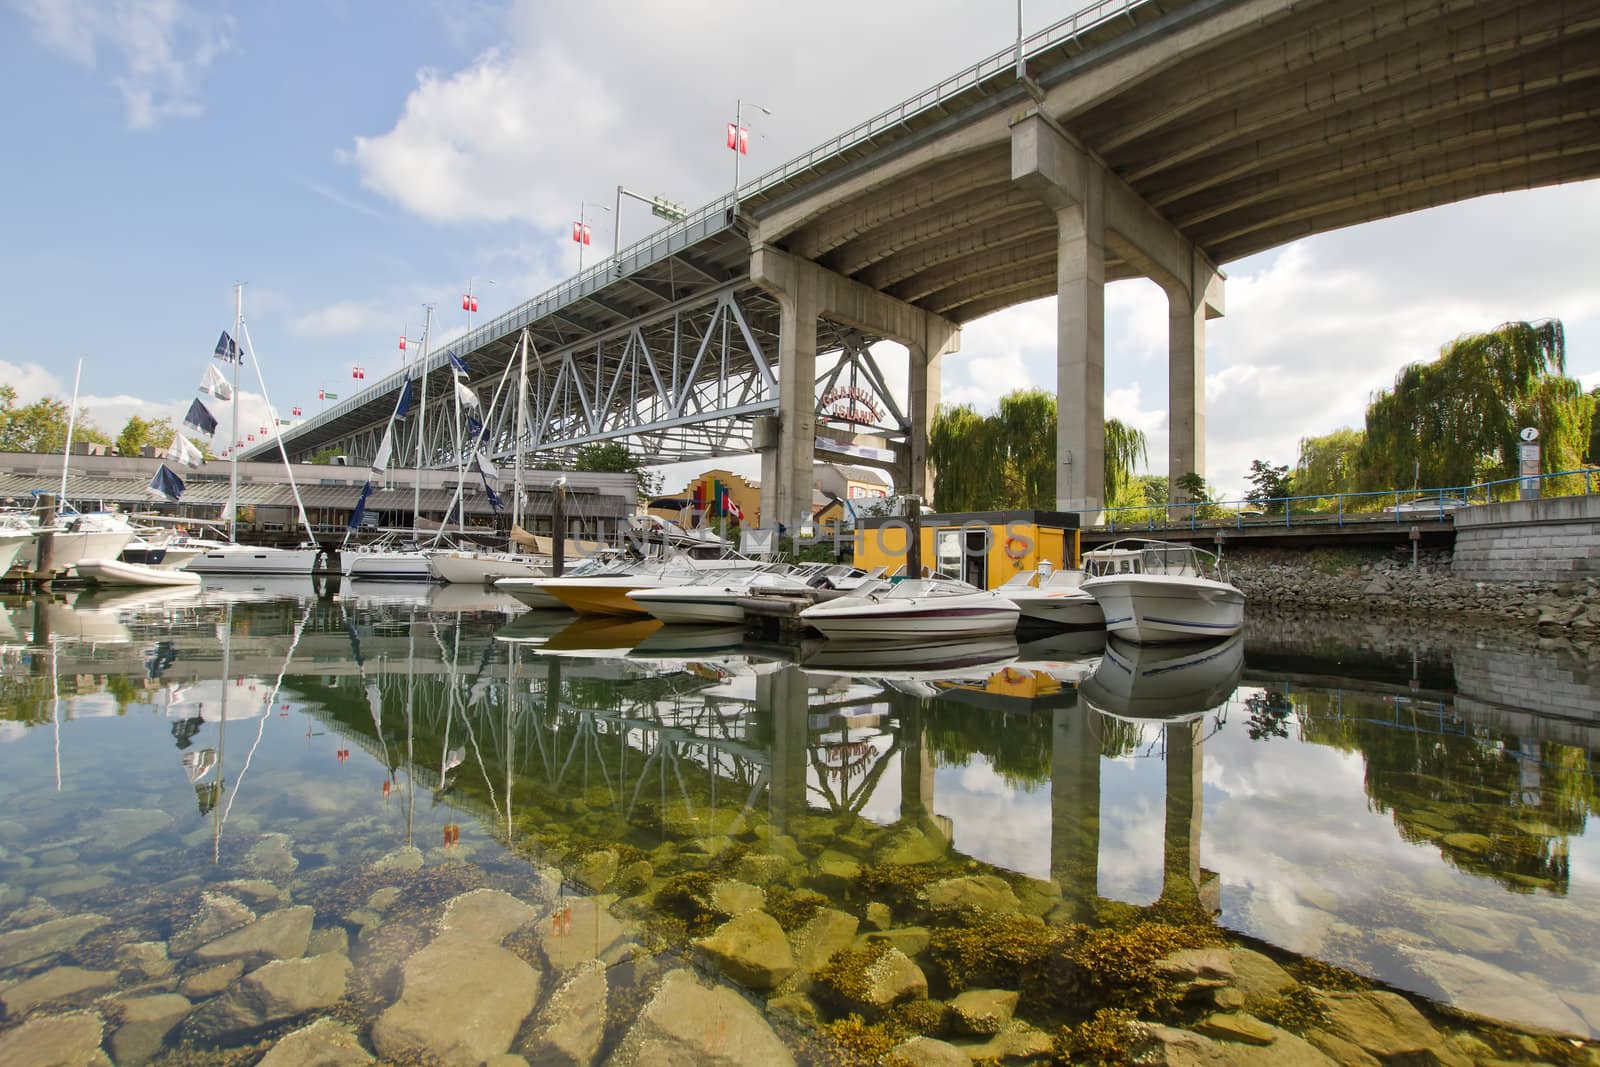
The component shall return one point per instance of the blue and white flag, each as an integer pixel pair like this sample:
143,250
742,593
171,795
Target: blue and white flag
468,398
380,462
494,498
474,427
404,404
360,511
167,483
457,364
226,350
182,451
201,419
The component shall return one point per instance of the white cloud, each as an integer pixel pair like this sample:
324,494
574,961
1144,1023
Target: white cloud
340,320
157,50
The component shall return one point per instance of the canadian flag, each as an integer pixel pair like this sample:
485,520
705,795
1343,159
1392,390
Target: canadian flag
580,233
294,411
402,342
731,508
469,302
739,139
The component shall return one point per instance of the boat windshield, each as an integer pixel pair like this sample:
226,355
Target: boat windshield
1150,557
926,587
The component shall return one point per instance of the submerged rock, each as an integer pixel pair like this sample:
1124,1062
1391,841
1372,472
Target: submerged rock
281,989
54,984
1236,1026
272,854
46,939
123,827
485,915
149,958
281,934
55,1041
146,1021
256,891
689,1022
325,1043
751,949
1256,975
929,1052
217,915
212,980
1170,1047
572,1023
597,868
879,917
1478,986
577,931
461,1001
405,859
1015,1041
1384,1024
733,897
823,936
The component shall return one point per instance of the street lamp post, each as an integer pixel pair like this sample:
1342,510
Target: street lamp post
738,149
660,207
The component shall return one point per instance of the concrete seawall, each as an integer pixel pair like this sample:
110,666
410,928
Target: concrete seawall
1548,540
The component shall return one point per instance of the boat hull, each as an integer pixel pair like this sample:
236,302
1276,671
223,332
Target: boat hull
244,559
530,594
389,567
119,572
597,598
1068,610
11,548
469,568
1153,608
68,548
862,619
691,609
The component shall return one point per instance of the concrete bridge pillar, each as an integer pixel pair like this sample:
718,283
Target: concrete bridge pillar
925,371
1190,302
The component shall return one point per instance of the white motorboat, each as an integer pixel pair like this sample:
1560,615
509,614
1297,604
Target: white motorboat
1142,683
1155,591
914,609
607,593
717,602
259,560
120,572
89,535
485,568
531,591
1054,597
12,543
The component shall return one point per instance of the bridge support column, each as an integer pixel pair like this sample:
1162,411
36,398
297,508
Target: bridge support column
1075,807
806,292
1189,304
925,370
1097,212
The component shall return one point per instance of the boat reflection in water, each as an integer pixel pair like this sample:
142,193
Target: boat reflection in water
1164,682
933,660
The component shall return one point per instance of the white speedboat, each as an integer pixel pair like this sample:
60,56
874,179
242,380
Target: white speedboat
608,593
531,593
914,609
1142,683
719,602
120,572
256,560
1155,591
485,568
12,543
1054,597
90,535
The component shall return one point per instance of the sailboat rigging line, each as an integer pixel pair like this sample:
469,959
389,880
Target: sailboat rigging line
55,706
422,432
461,452
272,700
72,421
283,450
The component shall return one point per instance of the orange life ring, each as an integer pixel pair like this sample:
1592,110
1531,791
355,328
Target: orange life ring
1016,547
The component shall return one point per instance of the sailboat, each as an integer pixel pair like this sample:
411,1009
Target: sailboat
390,562
234,558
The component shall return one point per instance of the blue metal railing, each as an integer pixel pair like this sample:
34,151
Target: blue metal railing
1400,506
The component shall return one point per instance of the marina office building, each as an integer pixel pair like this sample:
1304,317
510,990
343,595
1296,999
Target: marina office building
597,504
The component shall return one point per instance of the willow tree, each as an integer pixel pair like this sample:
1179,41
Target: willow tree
1008,459
1454,421
1327,464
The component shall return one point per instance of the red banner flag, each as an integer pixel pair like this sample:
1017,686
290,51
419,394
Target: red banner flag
402,342
469,302
294,411
744,141
733,136
580,233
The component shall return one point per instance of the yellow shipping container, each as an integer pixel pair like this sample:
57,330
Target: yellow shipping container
985,548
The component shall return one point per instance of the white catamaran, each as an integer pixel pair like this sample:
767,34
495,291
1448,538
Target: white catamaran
234,558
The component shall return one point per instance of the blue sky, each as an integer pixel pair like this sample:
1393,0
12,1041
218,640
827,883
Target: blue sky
352,167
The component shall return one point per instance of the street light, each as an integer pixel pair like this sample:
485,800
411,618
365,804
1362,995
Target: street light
660,207
580,229
741,141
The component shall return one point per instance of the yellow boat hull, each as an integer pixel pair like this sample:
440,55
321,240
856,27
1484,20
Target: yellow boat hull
587,599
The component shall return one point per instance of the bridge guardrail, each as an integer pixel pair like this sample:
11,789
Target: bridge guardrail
1398,506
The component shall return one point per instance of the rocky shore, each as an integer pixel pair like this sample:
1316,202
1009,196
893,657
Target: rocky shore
1376,583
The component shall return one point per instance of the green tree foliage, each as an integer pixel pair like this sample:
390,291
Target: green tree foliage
42,425
325,457
614,457
1268,486
1592,456
1328,464
1454,421
139,432
1007,460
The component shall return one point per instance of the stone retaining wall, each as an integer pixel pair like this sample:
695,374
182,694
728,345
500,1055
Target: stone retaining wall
1529,540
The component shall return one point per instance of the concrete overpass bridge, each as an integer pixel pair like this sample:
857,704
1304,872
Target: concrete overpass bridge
1137,138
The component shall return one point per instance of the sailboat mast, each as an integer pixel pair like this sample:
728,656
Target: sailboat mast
516,438
422,427
72,420
461,476
233,449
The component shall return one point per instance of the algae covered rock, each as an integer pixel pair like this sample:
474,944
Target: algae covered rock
1384,1024
1257,976
928,1052
55,1041
597,869
827,933
485,915
58,983
145,1023
218,914
47,938
751,949
984,1011
282,934
979,892
872,979
212,980
688,1022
